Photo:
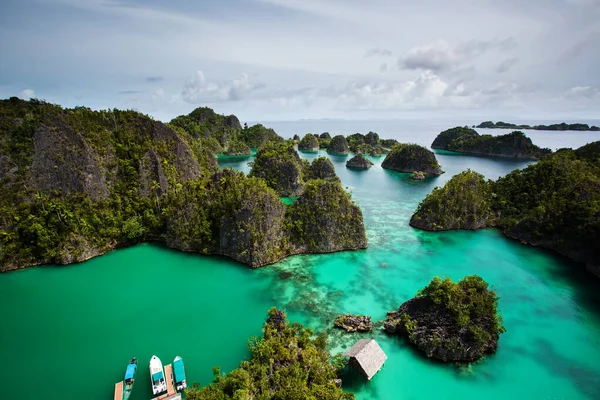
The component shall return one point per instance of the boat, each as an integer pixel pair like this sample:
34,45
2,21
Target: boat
180,382
130,378
157,376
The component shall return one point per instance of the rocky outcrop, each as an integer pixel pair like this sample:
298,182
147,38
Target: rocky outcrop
354,323
450,321
325,220
237,148
338,145
417,176
359,162
153,180
309,143
465,202
325,135
410,158
468,141
281,167
322,168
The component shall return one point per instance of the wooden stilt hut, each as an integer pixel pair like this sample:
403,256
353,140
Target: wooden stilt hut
366,357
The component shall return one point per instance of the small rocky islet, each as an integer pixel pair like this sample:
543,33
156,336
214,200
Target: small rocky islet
359,162
450,321
410,158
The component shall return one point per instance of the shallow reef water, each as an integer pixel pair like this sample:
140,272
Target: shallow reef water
71,330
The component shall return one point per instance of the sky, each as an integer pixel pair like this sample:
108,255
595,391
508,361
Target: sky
307,59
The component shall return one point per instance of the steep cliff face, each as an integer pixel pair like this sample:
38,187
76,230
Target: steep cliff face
281,167
78,183
468,141
410,158
465,202
551,204
325,220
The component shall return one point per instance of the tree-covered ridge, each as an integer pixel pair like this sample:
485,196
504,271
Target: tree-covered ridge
552,127
450,321
288,362
281,167
468,141
410,158
226,131
554,203
465,202
77,183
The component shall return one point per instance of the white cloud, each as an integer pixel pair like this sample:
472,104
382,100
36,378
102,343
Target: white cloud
581,91
197,90
26,94
378,52
441,55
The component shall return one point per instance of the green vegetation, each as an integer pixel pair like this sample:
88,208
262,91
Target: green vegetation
338,145
554,203
450,321
465,202
288,362
309,142
412,157
468,141
281,167
77,183
553,127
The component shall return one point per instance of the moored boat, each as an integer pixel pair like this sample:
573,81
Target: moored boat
180,382
157,376
130,378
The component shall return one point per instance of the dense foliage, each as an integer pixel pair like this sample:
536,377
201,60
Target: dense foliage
554,203
288,362
281,167
465,202
338,145
466,140
309,142
77,183
410,158
553,127
450,321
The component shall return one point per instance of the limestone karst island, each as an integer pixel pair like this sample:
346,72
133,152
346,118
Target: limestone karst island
284,200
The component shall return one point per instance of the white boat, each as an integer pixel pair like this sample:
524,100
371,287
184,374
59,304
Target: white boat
157,376
180,382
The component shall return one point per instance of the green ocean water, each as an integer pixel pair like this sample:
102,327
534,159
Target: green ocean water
68,332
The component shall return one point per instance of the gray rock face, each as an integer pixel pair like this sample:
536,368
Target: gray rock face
359,162
151,171
233,122
63,161
183,158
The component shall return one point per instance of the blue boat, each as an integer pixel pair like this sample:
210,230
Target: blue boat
130,378
179,370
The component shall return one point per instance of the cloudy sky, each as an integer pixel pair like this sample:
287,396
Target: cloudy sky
291,59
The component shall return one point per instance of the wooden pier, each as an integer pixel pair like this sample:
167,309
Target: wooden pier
119,390
171,393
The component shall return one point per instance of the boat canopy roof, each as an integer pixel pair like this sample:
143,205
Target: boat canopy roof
179,371
130,372
157,376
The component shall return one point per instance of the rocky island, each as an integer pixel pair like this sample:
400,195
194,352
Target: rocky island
450,321
78,183
410,158
338,145
468,141
553,127
551,204
359,162
309,143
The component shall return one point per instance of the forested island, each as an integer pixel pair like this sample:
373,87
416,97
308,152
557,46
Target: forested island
78,183
468,141
450,321
553,127
554,204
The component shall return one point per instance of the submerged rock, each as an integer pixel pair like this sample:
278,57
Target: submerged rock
410,158
417,176
354,323
450,321
359,162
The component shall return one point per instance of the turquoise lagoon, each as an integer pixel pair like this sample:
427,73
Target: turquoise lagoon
68,332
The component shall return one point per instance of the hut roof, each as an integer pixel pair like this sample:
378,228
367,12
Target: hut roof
368,356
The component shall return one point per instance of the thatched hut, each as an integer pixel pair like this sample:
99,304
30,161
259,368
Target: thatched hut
366,357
